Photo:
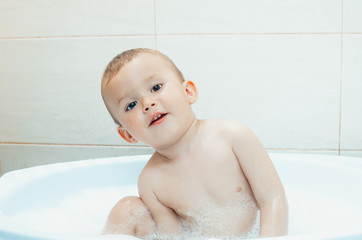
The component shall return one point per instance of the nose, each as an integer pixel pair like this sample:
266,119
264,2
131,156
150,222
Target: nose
148,104
148,108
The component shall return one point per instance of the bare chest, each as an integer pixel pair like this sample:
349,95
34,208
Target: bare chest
209,176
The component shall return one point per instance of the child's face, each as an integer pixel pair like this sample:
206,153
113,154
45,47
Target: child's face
150,101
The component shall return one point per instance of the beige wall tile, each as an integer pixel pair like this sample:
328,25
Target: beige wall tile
352,89
20,18
17,156
352,154
258,16
352,16
286,88
51,88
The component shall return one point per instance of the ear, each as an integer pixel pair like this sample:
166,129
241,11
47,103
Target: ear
191,91
126,135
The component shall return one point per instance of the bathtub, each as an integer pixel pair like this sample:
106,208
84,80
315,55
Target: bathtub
72,200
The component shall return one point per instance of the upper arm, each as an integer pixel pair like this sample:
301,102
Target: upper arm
256,165
165,218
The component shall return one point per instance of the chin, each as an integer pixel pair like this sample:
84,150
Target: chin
168,138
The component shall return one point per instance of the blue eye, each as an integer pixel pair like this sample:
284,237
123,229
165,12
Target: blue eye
130,106
156,87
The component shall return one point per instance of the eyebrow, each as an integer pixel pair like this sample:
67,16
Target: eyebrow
150,77
145,80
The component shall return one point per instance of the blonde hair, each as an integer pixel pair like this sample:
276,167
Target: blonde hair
121,60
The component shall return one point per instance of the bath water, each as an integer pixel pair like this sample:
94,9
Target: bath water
84,214
81,215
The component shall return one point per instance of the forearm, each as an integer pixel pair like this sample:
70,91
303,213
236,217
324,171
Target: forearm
166,220
173,229
167,223
274,218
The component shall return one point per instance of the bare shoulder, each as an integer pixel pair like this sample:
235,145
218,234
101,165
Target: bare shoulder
228,129
149,173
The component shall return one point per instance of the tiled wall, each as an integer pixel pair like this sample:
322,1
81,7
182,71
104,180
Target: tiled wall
290,70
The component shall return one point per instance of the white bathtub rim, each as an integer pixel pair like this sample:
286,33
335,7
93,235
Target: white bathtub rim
63,166
336,234
11,181
333,234
352,163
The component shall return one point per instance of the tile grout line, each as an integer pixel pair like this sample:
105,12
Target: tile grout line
249,33
173,35
145,146
142,146
71,145
76,36
154,25
341,82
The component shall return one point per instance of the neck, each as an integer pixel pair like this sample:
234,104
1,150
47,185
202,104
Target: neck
183,144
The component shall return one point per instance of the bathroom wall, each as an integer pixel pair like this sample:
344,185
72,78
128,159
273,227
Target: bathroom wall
290,70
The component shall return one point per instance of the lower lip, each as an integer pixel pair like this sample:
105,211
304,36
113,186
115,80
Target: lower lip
159,121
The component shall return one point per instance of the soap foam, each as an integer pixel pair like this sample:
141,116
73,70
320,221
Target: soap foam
81,215
84,215
207,220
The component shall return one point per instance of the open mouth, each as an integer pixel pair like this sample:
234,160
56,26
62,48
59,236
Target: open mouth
158,118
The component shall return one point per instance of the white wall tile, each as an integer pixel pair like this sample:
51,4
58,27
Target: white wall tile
352,16
50,89
286,88
19,18
352,89
17,156
352,154
256,16
314,152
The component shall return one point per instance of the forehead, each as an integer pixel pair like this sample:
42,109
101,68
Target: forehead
142,66
137,72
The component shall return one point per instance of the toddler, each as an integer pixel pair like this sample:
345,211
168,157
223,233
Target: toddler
209,176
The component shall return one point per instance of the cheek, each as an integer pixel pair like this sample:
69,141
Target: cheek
131,122
178,101
174,96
